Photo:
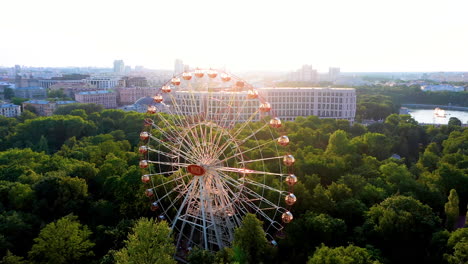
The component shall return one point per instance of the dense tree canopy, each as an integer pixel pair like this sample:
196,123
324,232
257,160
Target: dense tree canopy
358,199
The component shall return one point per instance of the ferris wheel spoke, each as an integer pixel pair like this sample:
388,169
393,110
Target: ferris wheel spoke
174,129
255,160
162,173
159,199
184,203
188,146
163,153
248,150
172,180
263,186
173,148
247,171
248,181
226,144
175,164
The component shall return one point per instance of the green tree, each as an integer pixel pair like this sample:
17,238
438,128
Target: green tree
250,243
457,247
149,242
64,241
42,145
8,93
452,210
342,255
200,256
338,143
453,121
18,100
402,227
9,258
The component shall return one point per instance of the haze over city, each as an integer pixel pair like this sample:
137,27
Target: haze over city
361,35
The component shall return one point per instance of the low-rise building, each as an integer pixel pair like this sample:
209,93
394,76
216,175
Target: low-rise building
10,110
33,92
130,95
104,83
45,107
106,98
71,88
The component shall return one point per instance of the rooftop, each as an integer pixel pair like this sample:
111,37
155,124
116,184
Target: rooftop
30,88
36,102
66,102
307,88
8,105
47,102
97,92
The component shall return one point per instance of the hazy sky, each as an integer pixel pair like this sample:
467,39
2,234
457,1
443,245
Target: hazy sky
356,35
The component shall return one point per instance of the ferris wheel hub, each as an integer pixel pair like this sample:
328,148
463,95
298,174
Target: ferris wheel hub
196,170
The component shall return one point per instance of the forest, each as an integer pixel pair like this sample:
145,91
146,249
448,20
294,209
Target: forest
391,192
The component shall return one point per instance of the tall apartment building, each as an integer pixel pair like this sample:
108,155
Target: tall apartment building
291,102
333,74
178,66
10,110
108,99
305,74
119,67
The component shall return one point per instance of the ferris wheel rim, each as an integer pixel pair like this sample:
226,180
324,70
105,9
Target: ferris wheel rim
183,145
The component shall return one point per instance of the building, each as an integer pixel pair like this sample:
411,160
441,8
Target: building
119,67
46,83
103,83
291,102
304,74
33,92
178,66
131,94
10,110
45,107
22,82
133,82
141,106
333,74
106,98
441,88
71,88
214,105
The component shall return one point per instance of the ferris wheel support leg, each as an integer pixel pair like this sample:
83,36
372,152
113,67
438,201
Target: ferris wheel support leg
202,202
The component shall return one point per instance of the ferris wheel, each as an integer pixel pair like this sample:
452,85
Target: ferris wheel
212,150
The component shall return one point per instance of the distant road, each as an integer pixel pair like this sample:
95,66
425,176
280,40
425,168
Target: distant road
445,107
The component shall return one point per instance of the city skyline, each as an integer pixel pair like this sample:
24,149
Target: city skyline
357,36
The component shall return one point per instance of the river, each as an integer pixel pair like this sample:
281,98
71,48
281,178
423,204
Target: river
427,116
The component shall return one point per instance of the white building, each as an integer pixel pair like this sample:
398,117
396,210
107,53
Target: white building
442,87
46,83
222,106
103,83
290,102
10,110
